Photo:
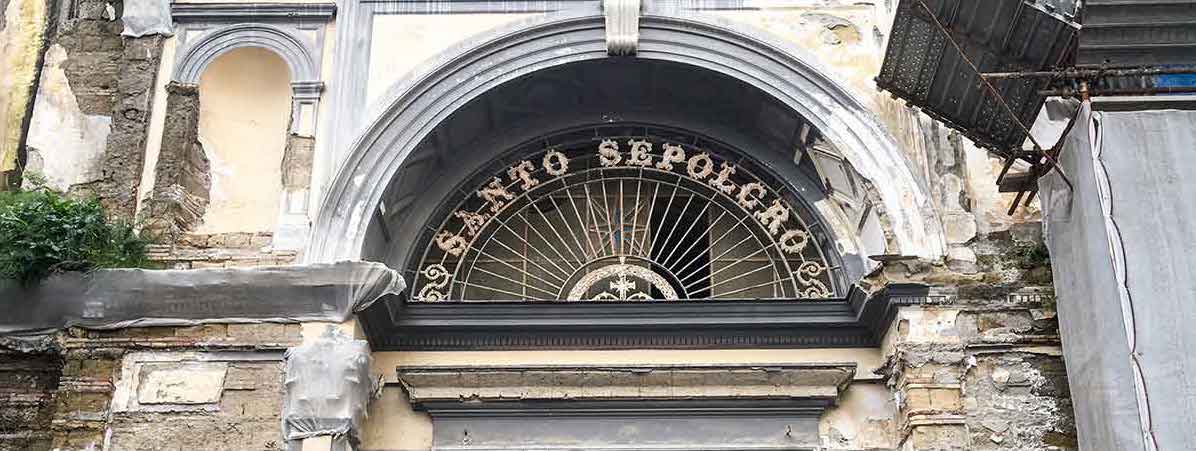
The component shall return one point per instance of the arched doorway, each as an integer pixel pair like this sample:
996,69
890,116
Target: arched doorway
361,196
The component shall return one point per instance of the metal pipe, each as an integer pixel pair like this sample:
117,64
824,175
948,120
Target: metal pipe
1069,92
1072,73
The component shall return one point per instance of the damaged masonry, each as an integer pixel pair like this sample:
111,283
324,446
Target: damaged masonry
595,225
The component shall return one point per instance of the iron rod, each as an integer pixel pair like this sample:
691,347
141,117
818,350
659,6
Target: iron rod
1076,74
1068,92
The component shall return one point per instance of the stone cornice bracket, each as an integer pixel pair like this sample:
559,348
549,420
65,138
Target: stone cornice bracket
622,26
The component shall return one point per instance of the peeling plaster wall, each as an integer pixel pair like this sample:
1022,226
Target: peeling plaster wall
245,98
65,144
22,28
90,118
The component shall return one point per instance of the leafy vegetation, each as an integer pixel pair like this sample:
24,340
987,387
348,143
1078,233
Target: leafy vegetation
1029,255
43,232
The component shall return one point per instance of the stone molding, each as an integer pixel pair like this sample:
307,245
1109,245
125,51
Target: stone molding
300,53
295,32
240,12
679,389
858,321
414,106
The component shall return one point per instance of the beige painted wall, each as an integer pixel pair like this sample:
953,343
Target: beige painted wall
20,39
403,42
245,99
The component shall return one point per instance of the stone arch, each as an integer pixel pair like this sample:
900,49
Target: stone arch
297,53
413,107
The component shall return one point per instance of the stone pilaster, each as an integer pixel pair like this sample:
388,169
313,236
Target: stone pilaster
979,368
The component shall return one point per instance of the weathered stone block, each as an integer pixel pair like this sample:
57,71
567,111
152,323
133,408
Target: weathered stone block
203,331
82,405
251,404
265,333
945,399
181,383
959,228
244,376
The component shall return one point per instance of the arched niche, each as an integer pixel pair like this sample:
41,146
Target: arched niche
300,53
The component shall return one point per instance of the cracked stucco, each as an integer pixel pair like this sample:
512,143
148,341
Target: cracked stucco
65,144
22,26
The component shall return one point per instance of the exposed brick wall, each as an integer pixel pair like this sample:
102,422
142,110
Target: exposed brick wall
181,179
112,76
221,250
27,385
107,391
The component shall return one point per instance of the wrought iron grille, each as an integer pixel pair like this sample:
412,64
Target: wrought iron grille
626,217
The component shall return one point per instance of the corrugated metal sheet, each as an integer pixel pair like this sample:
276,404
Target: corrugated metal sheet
1138,32
924,68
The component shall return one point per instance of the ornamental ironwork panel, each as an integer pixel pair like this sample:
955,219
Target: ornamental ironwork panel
619,218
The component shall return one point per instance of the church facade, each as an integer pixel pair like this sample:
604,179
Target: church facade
620,225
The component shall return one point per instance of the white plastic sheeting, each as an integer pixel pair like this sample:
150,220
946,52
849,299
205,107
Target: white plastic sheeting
146,17
328,387
1124,262
118,298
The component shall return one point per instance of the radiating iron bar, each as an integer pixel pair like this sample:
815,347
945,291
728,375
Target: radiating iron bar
561,214
513,267
1094,92
681,239
733,263
524,285
1078,74
667,207
606,215
547,242
740,276
610,221
648,229
774,283
692,243
555,231
680,217
498,290
513,251
599,246
699,269
495,239
715,243
622,214
585,230
635,213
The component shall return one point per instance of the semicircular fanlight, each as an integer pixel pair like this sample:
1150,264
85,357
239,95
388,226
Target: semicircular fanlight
625,218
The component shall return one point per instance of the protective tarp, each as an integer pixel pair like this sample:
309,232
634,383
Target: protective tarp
328,387
1124,262
146,17
118,298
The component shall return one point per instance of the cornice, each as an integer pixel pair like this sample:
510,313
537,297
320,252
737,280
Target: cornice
859,320
251,12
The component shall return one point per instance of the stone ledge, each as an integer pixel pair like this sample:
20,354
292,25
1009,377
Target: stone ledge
604,387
